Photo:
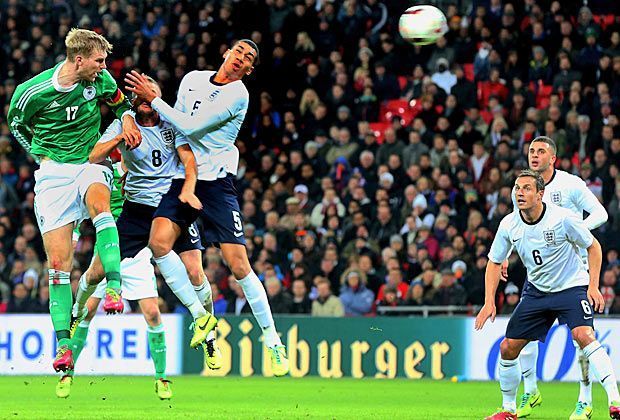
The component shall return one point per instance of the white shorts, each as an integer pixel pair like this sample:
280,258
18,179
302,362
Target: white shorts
60,189
138,278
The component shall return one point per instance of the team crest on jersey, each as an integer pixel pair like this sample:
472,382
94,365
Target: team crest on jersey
168,136
556,197
549,236
213,95
89,92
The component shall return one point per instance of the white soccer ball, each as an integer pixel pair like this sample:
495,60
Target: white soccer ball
422,25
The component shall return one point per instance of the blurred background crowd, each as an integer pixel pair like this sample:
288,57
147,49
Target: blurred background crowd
373,173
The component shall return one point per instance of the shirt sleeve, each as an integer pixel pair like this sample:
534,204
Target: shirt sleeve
113,96
113,130
205,119
501,247
19,117
577,232
585,200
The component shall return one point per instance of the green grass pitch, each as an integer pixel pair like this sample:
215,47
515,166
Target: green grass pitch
198,397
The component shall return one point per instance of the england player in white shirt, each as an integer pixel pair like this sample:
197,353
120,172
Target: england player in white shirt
209,111
570,192
148,174
548,240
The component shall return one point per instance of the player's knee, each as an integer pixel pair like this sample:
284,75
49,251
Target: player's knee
239,265
159,247
240,270
583,336
151,314
508,350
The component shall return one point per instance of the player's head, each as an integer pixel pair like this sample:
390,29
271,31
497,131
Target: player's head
240,60
529,189
143,108
88,51
541,154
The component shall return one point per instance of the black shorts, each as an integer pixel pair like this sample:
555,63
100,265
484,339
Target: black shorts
537,311
134,227
220,214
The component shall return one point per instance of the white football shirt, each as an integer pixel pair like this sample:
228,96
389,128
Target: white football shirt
571,192
549,248
150,166
209,115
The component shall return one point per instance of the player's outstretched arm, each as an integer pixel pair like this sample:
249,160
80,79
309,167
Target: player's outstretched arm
191,174
109,141
102,150
595,258
204,121
491,280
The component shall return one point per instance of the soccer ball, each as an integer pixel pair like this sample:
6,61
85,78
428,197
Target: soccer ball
422,25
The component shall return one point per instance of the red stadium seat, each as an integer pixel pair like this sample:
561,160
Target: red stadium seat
604,20
468,69
116,67
378,129
398,107
402,82
486,115
543,95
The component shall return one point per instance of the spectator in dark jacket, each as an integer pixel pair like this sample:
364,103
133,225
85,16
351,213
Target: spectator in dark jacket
449,291
279,300
20,299
301,303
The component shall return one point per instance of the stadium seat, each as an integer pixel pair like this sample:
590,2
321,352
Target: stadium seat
399,107
402,82
543,95
604,20
378,129
486,115
468,69
116,66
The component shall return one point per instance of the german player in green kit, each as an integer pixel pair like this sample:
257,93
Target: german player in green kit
55,116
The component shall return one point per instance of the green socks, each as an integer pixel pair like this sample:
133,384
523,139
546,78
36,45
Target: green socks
157,346
78,341
108,248
61,300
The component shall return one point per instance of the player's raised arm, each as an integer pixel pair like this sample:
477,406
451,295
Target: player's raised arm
190,124
110,140
187,158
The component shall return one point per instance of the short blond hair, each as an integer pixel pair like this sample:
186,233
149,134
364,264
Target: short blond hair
84,42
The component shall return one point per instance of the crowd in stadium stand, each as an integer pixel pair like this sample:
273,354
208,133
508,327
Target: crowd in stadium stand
372,172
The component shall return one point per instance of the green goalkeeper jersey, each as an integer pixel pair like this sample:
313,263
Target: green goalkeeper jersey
62,123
